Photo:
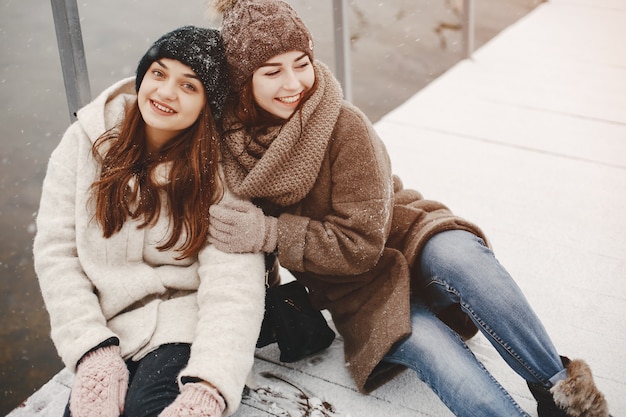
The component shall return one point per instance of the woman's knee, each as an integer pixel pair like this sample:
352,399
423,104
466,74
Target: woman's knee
452,245
154,384
457,258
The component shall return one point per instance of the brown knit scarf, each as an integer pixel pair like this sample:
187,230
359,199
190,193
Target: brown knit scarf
282,165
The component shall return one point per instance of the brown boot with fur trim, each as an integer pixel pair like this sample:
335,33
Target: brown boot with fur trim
546,407
577,394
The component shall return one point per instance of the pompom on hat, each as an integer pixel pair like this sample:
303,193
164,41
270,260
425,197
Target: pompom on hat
200,49
255,31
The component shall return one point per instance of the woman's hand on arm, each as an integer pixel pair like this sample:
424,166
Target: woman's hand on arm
241,227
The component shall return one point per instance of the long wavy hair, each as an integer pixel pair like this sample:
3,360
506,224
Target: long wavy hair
127,189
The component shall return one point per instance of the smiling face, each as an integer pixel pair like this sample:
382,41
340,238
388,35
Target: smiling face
280,83
170,100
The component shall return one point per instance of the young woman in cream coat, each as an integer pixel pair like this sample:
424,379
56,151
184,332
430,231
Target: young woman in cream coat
152,320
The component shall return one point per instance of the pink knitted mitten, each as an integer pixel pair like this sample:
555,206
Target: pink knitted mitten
196,399
100,384
241,227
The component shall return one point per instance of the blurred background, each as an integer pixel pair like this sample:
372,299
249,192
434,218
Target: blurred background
397,48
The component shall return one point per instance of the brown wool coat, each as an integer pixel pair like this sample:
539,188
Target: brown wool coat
355,235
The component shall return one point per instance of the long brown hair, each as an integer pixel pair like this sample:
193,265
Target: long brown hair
127,189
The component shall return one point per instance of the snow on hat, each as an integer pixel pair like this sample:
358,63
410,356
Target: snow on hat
200,49
255,31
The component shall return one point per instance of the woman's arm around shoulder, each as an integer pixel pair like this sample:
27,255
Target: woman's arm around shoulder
347,235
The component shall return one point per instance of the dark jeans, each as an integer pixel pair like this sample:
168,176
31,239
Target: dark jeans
153,385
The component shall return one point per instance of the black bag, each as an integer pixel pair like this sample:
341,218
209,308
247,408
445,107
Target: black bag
291,321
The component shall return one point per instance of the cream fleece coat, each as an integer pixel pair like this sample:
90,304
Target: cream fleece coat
96,288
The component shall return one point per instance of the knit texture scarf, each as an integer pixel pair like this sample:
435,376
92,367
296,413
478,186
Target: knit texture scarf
282,165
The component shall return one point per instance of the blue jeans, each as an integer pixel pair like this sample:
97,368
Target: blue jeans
457,268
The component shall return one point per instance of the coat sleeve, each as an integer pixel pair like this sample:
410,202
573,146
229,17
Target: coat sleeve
231,301
76,319
356,184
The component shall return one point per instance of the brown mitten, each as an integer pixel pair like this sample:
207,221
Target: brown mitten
241,227
100,384
196,399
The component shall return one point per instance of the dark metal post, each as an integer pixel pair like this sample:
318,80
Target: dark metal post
72,54
342,47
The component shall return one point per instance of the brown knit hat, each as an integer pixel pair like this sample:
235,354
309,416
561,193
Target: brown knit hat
255,31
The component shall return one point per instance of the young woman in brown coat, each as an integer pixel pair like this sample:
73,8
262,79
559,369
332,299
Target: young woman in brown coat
406,281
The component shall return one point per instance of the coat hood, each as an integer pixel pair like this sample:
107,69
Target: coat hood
107,110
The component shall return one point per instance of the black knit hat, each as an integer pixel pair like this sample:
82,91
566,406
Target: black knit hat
203,51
